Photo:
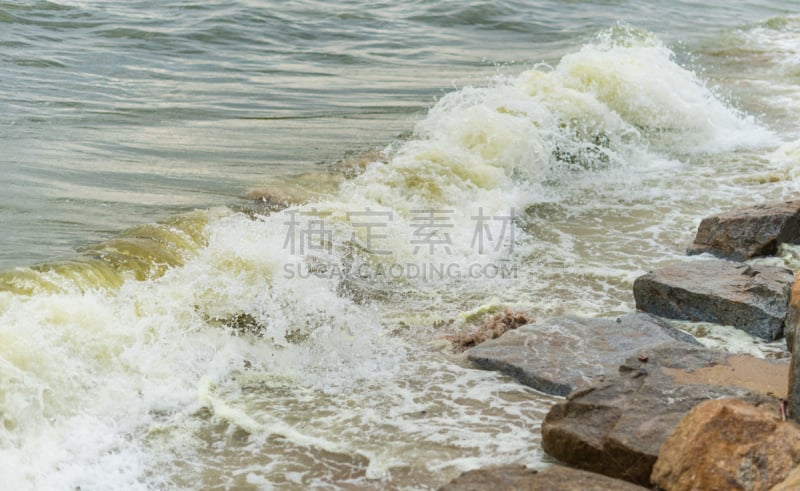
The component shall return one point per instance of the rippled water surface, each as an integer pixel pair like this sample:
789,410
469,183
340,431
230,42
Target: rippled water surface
166,324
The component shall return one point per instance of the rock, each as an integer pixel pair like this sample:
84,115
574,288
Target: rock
727,444
790,328
749,232
493,327
517,477
792,338
751,298
561,354
791,483
757,374
616,427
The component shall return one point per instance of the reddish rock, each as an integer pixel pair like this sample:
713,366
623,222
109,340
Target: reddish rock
492,328
727,444
749,232
519,478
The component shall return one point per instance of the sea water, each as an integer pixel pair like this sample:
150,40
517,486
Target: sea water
422,167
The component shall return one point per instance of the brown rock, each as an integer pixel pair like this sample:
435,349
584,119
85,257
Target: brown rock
757,374
519,478
617,427
791,483
727,444
749,232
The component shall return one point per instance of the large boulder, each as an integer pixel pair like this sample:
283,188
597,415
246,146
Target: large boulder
558,355
616,427
752,298
517,477
749,232
727,444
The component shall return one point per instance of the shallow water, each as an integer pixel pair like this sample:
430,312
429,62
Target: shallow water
444,161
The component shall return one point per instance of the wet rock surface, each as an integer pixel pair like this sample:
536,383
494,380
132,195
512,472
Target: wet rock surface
727,444
558,355
617,427
792,340
749,232
751,298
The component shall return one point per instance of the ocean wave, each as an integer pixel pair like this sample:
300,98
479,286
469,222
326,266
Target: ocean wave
145,334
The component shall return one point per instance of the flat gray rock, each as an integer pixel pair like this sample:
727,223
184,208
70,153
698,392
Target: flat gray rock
751,298
558,355
749,232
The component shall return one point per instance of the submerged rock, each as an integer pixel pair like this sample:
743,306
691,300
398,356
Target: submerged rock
749,232
751,298
616,427
727,444
517,477
492,328
558,355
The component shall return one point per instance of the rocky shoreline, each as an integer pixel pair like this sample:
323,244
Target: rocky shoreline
649,407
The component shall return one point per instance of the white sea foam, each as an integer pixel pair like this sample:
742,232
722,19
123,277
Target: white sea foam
764,60
778,40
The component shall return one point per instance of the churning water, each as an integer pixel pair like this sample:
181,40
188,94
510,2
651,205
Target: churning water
442,161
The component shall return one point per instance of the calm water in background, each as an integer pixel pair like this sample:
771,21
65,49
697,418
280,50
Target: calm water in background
181,355
118,113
